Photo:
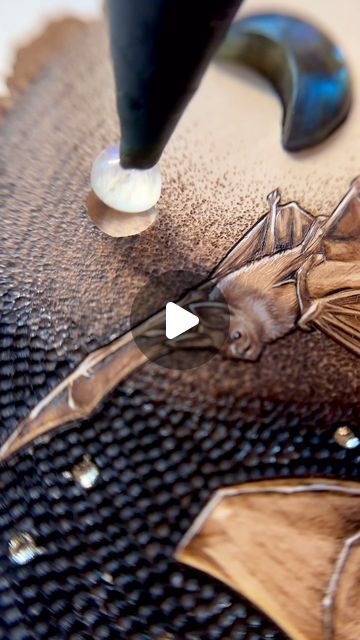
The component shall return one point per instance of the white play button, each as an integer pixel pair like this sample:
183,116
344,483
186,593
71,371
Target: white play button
171,327
178,320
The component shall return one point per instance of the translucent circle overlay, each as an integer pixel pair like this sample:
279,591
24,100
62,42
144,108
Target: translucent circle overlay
148,320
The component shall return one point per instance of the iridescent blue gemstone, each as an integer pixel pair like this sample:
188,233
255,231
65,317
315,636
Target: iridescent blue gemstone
305,67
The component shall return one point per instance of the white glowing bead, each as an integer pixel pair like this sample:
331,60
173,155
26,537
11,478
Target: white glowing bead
128,190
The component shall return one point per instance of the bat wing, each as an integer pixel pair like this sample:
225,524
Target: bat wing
277,231
338,316
291,547
342,232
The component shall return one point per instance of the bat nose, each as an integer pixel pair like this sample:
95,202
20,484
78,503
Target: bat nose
244,351
251,355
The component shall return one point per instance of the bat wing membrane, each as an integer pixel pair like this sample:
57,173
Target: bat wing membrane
338,316
283,230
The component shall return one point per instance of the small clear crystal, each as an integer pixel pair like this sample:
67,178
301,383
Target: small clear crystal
23,548
85,473
346,438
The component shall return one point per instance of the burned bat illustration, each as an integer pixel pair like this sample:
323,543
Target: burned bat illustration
291,270
294,270
286,546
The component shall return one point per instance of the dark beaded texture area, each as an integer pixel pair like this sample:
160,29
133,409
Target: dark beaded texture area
107,570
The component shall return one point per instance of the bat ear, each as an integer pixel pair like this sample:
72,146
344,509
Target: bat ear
213,314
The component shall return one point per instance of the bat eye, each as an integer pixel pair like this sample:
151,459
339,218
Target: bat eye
236,335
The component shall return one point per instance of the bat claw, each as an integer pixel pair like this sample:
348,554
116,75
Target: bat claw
274,197
355,186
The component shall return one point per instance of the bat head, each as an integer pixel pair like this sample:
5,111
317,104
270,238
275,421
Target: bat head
257,317
248,330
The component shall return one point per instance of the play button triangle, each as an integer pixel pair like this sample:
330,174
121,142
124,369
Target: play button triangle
178,320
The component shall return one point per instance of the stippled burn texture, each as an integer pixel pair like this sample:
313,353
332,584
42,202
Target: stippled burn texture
165,440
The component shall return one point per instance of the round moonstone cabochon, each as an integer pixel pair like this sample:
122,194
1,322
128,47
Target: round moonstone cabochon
127,190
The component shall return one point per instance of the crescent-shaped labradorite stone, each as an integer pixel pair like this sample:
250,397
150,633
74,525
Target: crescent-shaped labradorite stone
306,68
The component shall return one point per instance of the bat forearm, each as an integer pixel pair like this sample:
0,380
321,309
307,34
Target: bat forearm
79,394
